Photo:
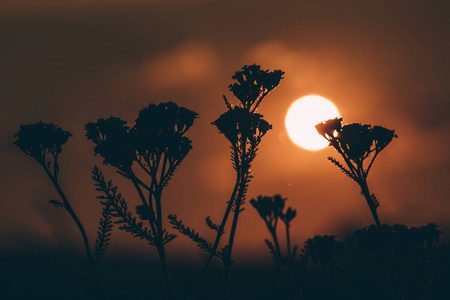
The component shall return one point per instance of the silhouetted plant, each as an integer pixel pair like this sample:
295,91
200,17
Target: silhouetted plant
244,129
356,143
271,210
155,146
322,250
44,142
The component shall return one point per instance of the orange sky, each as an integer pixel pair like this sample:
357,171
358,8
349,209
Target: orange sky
381,62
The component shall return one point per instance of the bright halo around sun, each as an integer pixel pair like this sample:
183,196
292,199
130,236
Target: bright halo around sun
302,117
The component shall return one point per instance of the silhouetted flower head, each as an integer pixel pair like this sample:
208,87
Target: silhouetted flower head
160,128
356,140
40,138
289,215
252,84
269,207
238,123
322,250
112,141
328,129
382,137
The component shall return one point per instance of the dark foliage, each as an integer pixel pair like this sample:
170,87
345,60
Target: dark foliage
104,232
194,236
119,208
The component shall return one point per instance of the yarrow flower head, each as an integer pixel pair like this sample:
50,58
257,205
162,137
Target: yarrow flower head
355,143
238,123
160,129
329,128
253,84
112,141
355,140
40,138
271,208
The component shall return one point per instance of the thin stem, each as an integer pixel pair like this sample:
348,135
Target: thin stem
237,209
370,202
218,236
370,164
349,163
142,166
152,219
92,263
288,242
273,232
160,246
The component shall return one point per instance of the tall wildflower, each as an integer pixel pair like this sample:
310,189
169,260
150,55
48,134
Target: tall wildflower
43,142
155,146
244,129
359,146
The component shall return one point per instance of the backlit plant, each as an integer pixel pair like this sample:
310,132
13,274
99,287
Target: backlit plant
272,211
359,146
155,146
43,142
244,129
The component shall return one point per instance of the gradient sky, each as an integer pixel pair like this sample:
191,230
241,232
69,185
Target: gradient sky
381,62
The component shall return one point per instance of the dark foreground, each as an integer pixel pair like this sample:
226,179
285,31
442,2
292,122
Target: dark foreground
53,276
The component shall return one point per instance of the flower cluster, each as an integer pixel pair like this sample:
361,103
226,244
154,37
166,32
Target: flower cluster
270,209
40,139
240,124
112,141
253,84
158,131
355,140
323,251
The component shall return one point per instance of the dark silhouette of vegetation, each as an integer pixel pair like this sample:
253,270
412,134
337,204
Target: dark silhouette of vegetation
244,129
44,142
375,262
156,145
270,209
357,143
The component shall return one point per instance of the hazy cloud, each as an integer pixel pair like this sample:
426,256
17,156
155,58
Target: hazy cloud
191,64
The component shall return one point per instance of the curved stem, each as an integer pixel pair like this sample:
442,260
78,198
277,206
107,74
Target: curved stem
273,232
237,209
370,164
92,263
218,236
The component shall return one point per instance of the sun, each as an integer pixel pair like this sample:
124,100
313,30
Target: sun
302,117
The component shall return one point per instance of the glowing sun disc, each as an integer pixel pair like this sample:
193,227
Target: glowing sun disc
302,117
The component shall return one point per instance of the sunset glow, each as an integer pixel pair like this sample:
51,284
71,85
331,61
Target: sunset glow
302,117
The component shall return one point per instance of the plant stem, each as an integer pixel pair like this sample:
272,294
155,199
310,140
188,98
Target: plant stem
288,242
160,246
237,209
370,202
69,209
218,236
273,233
